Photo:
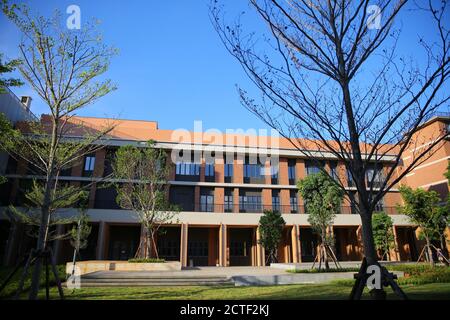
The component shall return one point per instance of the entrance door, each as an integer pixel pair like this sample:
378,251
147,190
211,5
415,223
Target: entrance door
124,242
241,242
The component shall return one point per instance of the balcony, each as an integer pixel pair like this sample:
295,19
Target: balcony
246,208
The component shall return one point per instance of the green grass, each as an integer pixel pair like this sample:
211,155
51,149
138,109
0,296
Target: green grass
422,282
329,291
315,270
12,286
146,260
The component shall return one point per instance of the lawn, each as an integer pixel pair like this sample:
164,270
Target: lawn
422,282
330,291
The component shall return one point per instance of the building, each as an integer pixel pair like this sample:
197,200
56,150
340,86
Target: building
221,200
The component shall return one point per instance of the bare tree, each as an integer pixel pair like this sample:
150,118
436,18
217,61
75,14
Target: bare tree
141,176
330,72
63,67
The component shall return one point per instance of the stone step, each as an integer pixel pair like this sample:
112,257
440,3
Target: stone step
154,284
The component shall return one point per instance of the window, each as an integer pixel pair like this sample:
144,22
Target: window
250,201
253,173
291,171
89,164
274,174
379,206
375,176
228,168
333,170
293,201
198,248
228,201
206,200
206,203
313,167
350,182
209,172
276,200
188,169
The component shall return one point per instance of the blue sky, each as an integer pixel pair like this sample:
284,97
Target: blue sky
172,67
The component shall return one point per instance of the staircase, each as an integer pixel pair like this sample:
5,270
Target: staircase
146,279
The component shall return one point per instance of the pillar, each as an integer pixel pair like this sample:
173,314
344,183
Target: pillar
285,197
223,250
295,240
196,198
184,245
219,194
283,177
101,243
57,244
260,254
267,199
394,254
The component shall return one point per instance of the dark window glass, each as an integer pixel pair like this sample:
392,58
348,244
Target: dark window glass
293,201
276,200
228,201
313,167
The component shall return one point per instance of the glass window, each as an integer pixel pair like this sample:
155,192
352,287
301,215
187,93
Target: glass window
293,201
313,167
228,170
276,200
89,164
291,169
209,170
187,169
333,170
207,203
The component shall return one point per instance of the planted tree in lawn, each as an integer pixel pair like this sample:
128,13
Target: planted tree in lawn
383,233
79,236
422,208
271,226
63,67
323,198
142,175
330,72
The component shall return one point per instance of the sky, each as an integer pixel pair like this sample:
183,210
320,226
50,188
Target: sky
172,67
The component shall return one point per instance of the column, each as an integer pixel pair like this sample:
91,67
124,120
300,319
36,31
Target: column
295,244
236,200
394,252
57,243
285,195
223,254
259,249
283,177
267,199
101,243
197,198
238,171
219,194
184,245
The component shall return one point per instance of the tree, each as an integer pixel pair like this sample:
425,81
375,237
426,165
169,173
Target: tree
79,236
143,174
323,199
330,72
63,67
271,226
422,208
383,234
7,137
7,67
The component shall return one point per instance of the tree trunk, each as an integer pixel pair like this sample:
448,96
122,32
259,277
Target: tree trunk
429,252
41,242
